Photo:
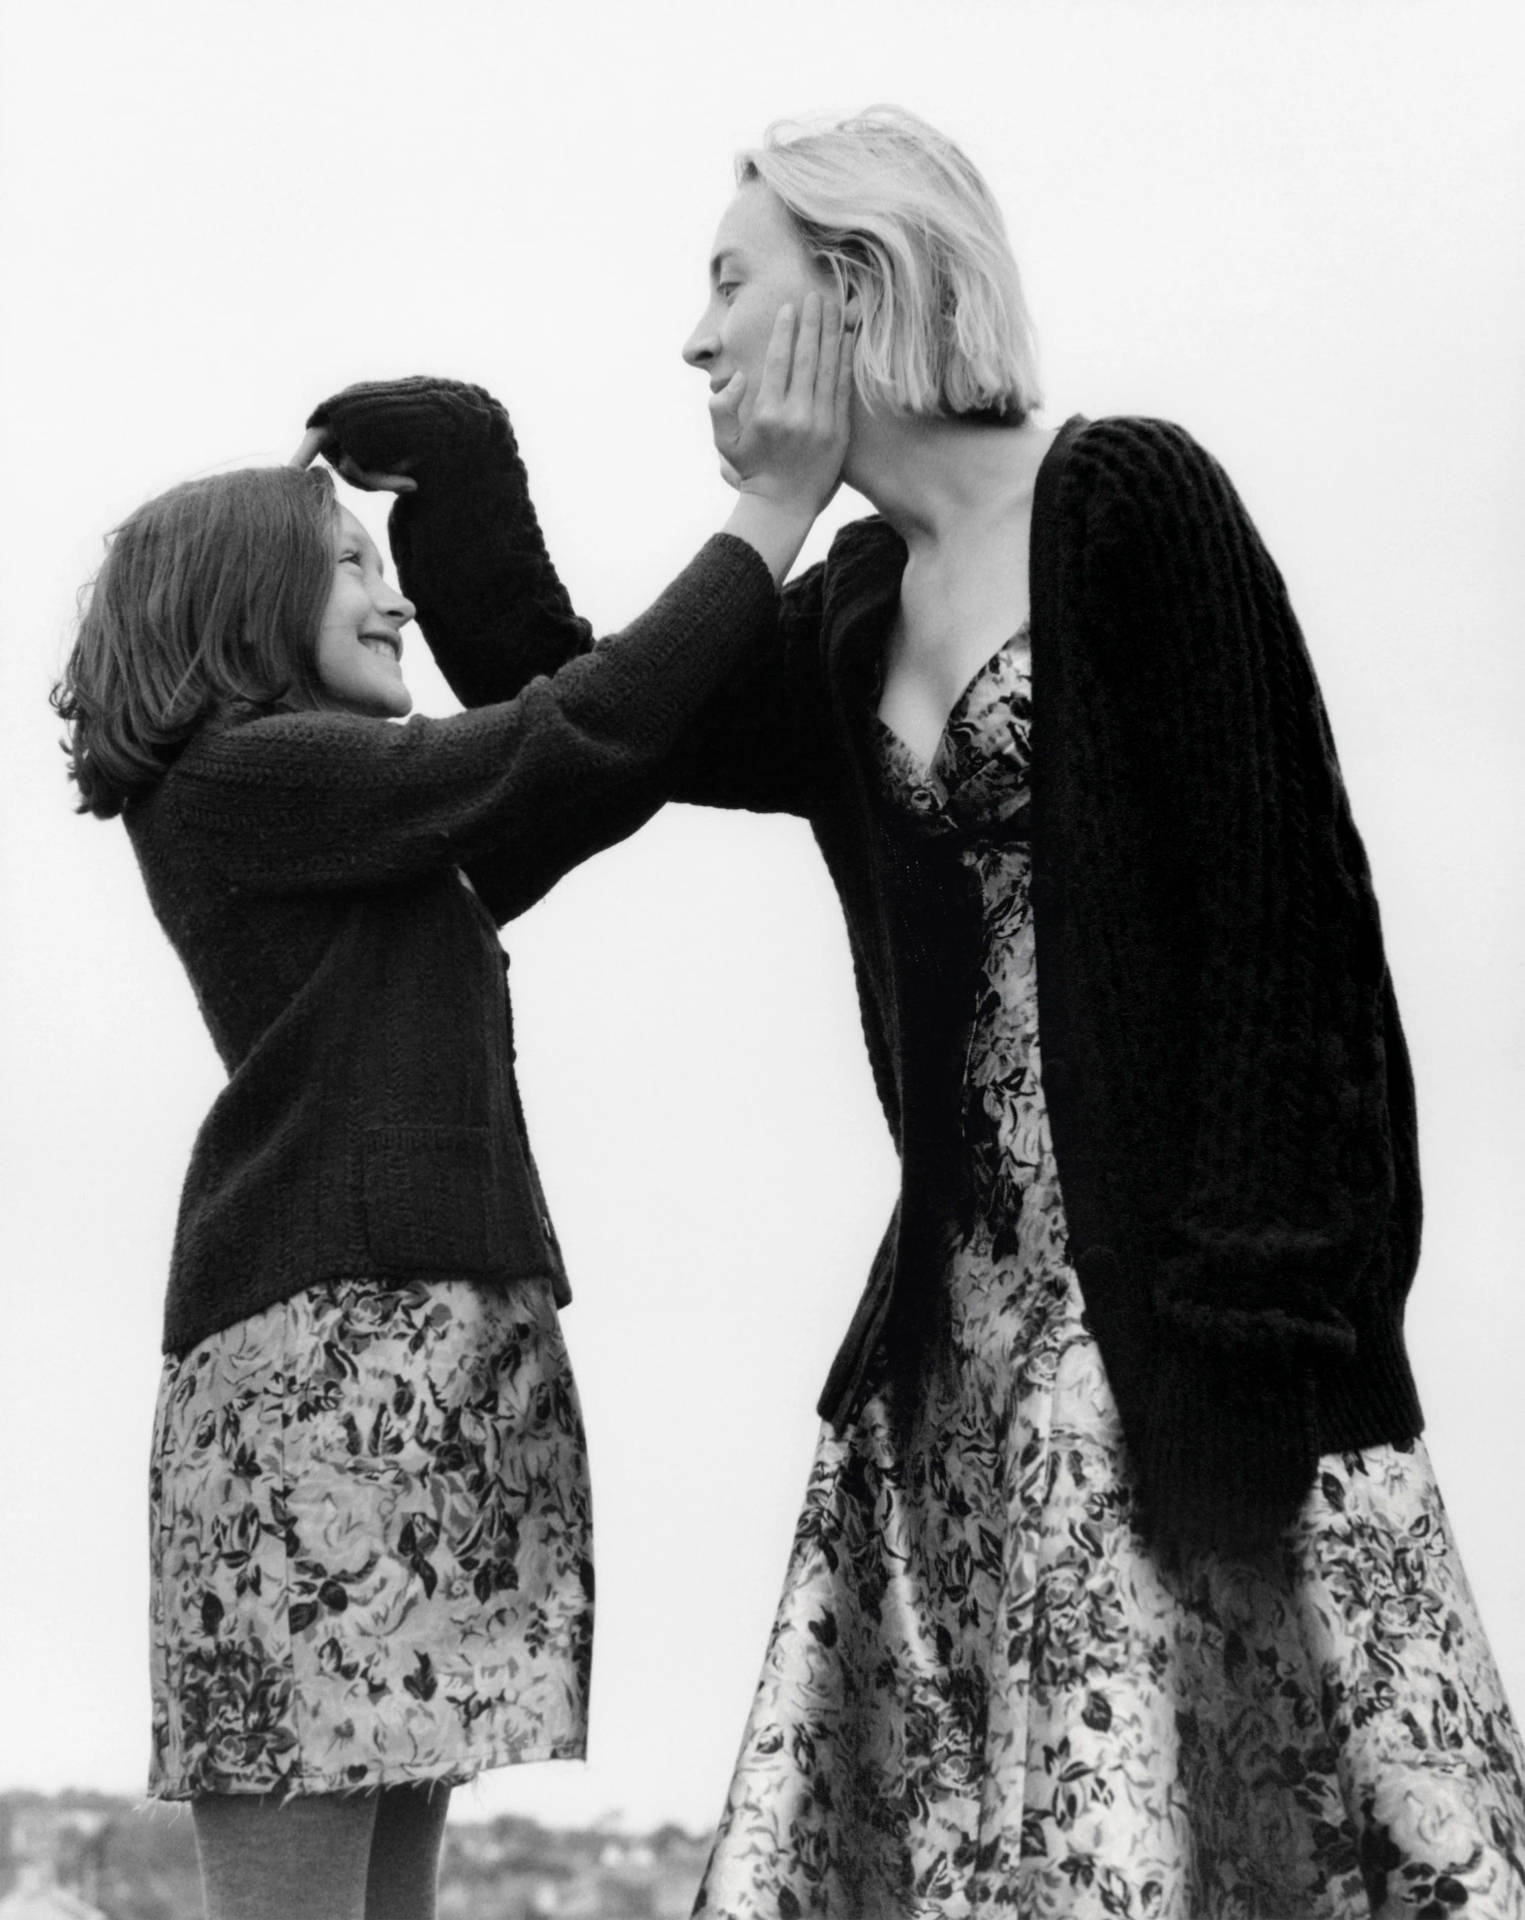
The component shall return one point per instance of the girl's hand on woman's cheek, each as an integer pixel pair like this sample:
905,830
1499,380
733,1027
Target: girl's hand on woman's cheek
787,442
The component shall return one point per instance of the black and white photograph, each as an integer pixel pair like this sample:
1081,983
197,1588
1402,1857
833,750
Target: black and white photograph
761,1023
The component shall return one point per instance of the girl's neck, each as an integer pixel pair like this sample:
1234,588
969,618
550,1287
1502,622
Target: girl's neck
936,481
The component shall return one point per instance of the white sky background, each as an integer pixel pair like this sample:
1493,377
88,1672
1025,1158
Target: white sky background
1293,225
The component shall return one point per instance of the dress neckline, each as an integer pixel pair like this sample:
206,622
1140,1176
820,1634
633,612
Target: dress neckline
914,758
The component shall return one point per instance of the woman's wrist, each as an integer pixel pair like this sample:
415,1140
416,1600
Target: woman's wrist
776,529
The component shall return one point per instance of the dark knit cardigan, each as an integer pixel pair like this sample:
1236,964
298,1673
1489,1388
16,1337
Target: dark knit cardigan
1223,1067
307,868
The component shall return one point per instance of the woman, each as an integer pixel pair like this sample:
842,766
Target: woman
1122,1583
370,1528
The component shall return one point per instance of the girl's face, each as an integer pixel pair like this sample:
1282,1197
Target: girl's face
360,642
758,262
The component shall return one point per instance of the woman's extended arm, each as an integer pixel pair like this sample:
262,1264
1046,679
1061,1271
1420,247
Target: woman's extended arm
465,538
518,792
471,556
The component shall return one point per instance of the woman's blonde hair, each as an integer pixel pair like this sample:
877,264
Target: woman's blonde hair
207,604
902,219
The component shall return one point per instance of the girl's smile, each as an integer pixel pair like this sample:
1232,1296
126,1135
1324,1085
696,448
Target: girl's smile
359,655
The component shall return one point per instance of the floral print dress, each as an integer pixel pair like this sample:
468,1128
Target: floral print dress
370,1544
985,1697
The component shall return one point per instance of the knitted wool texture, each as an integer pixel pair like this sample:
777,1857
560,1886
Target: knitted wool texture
307,868
1224,1069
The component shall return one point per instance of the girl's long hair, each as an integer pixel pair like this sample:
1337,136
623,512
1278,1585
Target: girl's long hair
207,605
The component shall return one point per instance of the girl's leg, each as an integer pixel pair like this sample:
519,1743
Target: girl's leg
405,1851
300,1859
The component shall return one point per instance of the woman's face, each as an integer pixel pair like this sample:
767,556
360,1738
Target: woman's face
758,261
360,639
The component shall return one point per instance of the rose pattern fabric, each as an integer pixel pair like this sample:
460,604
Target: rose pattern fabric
985,1699
370,1544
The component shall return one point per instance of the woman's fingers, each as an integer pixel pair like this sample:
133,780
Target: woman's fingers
311,446
318,440
373,482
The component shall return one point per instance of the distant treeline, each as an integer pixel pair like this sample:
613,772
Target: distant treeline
137,1861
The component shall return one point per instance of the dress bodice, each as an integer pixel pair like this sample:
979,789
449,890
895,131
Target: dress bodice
977,778
971,801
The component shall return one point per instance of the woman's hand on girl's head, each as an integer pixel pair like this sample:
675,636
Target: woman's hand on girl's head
318,440
312,445
786,443
392,434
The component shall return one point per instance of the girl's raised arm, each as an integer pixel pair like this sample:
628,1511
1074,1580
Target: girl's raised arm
471,556
517,792
464,534
520,790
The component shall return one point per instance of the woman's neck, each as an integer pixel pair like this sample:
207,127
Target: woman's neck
935,481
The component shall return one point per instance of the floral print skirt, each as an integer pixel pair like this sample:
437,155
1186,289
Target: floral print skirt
985,1696
370,1544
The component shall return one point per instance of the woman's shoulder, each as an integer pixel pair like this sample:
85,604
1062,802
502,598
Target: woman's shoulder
1137,456
864,553
1145,484
864,560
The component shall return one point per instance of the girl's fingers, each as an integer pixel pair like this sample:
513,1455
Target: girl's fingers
807,350
844,383
836,349
725,408
775,380
831,343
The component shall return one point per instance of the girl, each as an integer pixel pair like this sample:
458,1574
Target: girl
370,1527
1122,1584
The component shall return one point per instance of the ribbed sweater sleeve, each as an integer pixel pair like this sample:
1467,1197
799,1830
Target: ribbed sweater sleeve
471,556
467,542
518,792
1288,1170
764,742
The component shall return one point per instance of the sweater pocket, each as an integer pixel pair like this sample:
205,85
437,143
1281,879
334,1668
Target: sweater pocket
435,1201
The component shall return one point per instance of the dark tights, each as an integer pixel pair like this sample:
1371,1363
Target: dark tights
362,1856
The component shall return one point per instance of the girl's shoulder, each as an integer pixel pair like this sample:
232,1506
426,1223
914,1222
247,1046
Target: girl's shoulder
255,735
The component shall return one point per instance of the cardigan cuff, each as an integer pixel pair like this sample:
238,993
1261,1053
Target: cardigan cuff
1229,1449
384,424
